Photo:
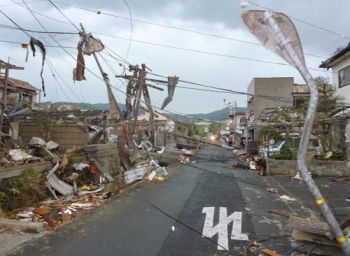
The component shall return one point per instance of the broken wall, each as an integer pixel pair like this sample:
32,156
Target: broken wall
107,155
66,135
316,167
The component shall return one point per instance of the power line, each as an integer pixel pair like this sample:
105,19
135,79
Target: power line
35,31
130,29
27,2
41,14
57,43
209,53
177,28
52,46
324,29
64,15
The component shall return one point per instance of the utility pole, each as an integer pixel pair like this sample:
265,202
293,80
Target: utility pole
114,107
278,34
7,67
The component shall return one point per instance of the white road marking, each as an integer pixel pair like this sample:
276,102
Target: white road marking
222,227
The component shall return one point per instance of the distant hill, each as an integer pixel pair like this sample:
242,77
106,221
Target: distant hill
213,116
87,106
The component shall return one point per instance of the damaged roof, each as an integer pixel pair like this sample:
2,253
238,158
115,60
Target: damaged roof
17,83
336,58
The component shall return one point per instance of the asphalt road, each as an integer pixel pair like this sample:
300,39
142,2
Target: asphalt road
166,218
202,208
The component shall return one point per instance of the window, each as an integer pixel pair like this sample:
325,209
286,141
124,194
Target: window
344,77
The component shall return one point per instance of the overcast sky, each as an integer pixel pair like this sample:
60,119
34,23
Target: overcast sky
202,41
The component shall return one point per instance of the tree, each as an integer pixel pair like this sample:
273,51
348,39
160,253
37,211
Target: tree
214,127
328,103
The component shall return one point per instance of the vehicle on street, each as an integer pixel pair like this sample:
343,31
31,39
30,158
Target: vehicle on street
274,147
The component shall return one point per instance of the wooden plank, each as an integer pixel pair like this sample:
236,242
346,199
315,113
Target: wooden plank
342,211
305,236
310,226
344,223
18,170
270,253
279,213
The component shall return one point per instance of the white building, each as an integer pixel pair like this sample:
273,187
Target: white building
340,65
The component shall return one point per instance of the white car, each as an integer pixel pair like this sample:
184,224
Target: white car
275,147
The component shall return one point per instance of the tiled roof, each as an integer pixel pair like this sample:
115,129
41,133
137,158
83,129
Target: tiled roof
336,57
18,83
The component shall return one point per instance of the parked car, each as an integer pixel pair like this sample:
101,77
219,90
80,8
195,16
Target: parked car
274,147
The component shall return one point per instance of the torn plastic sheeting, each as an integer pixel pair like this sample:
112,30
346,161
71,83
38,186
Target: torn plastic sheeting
135,174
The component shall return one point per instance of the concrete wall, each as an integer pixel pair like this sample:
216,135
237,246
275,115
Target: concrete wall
316,167
66,135
272,87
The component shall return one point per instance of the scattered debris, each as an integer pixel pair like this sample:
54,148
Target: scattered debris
135,174
311,230
287,198
19,155
270,253
280,213
272,190
298,177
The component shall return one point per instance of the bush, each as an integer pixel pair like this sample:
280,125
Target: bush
25,190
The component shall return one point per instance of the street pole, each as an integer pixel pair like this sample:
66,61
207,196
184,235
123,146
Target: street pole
305,137
114,107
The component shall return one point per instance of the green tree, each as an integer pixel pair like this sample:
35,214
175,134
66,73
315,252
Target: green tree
214,127
329,101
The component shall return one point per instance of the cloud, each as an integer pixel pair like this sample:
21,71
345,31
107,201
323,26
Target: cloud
230,59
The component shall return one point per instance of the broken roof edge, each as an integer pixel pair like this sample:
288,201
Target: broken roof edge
328,63
18,83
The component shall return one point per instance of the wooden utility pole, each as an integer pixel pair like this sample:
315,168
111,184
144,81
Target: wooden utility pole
114,107
7,67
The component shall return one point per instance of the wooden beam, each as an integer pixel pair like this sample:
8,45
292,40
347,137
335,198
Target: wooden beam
4,65
270,253
18,170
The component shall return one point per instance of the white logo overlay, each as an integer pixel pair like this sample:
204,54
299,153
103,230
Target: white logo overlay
222,227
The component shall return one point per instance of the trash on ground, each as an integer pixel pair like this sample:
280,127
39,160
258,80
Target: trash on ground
288,198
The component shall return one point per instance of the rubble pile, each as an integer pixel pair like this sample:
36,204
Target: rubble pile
251,162
74,183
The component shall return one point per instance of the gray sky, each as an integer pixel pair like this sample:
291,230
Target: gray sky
230,58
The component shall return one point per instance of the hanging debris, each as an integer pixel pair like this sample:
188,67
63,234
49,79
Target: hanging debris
78,72
172,82
91,44
39,44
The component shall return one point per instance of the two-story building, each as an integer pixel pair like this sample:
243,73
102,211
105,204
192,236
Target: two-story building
264,95
340,65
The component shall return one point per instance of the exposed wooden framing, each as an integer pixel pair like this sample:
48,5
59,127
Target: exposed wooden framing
7,67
